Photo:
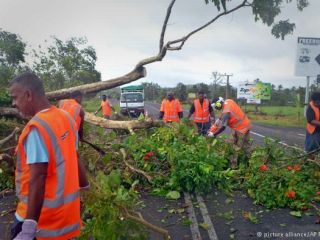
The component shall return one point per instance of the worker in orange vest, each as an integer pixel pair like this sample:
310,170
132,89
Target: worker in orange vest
202,111
312,141
171,110
237,120
106,108
48,174
74,108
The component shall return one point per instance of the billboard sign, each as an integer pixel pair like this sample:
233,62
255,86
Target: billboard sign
245,90
308,57
259,90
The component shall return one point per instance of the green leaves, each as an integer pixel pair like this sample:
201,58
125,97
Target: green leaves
173,195
282,28
267,11
296,214
66,64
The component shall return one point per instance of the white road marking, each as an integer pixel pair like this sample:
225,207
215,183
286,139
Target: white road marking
194,227
254,133
302,135
283,143
204,211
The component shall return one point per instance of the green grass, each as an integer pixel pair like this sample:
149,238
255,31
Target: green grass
277,115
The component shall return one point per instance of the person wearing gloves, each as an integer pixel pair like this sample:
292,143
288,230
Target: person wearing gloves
48,173
236,119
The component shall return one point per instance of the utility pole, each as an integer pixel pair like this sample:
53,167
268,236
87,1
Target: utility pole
228,84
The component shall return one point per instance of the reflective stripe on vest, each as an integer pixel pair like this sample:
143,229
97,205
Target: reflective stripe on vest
59,198
57,233
201,113
310,127
171,114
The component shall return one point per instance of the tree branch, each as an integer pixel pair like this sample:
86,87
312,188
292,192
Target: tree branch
141,220
137,73
185,38
126,125
8,138
11,112
164,26
133,169
179,43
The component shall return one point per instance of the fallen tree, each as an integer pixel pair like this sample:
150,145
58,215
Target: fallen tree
126,125
99,121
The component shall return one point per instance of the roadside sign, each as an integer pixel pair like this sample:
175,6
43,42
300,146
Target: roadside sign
308,57
253,101
259,90
245,90
263,91
192,96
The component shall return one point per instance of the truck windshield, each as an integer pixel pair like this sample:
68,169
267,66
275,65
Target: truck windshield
131,97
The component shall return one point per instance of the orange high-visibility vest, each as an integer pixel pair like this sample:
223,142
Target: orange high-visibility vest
201,112
60,213
238,120
73,108
311,128
106,108
171,110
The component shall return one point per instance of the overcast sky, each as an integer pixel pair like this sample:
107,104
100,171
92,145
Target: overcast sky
125,31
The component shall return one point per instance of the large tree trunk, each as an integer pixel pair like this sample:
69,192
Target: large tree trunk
137,73
91,118
127,125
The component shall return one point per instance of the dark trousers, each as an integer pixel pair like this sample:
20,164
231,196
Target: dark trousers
16,228
312,141
203,128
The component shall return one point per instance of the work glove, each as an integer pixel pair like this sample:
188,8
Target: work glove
210,134
29,230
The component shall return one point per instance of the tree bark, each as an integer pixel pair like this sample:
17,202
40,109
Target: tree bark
11,112
137,73
126,125
99,121
9,137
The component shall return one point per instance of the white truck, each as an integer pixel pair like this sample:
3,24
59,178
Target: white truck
132,100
